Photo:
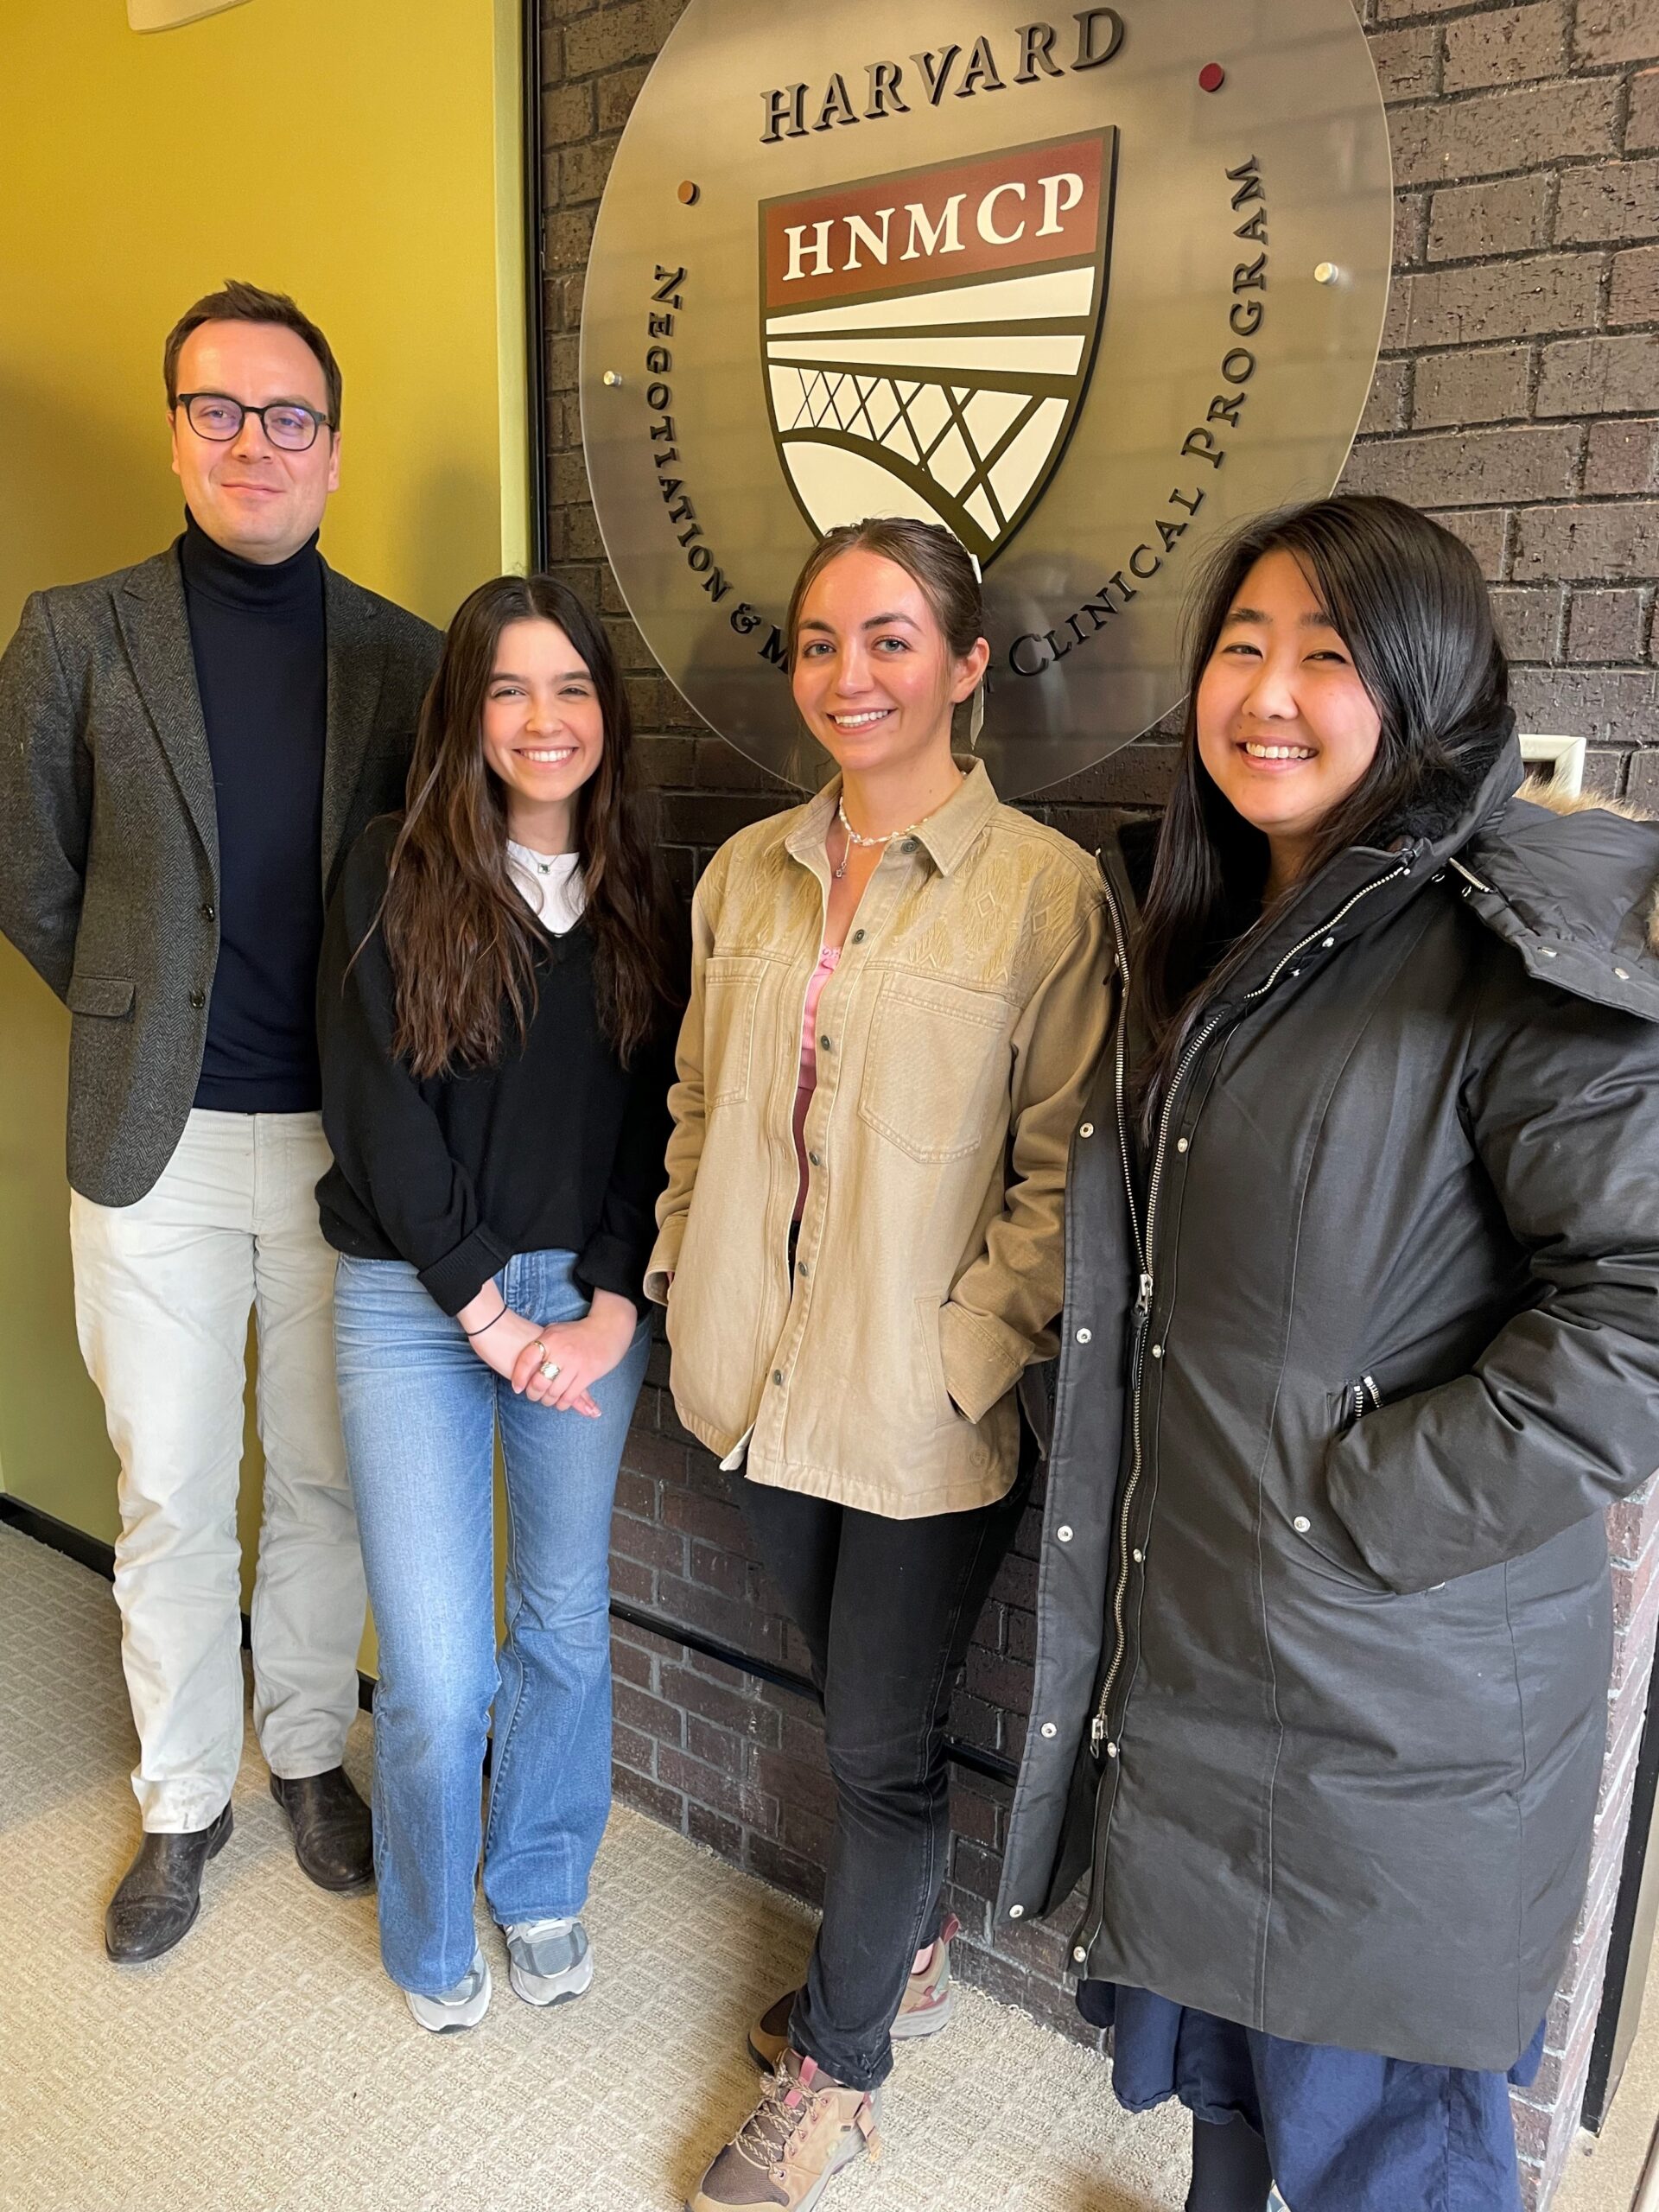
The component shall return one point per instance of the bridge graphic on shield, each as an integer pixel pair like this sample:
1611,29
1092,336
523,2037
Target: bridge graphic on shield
929,336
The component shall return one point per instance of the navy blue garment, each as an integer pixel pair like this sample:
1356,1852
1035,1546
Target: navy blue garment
258,637
1346,2131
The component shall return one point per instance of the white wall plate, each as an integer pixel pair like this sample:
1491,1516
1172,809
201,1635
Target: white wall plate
1558,760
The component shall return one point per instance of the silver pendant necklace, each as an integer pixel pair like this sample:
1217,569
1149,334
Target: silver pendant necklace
542,867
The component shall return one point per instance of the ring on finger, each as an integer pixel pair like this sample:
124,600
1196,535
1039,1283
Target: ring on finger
549,1367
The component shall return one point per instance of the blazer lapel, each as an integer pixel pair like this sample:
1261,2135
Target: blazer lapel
356,665
150,613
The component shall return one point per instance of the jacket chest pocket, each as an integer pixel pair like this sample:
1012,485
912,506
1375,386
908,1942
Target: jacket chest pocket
935,1068
731,995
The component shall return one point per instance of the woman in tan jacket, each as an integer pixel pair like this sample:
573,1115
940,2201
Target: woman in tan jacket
898,997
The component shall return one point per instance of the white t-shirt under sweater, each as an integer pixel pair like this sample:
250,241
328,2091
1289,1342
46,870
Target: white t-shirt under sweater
551,884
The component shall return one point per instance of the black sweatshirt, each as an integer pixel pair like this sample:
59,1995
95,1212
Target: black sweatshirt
260,648
558,1148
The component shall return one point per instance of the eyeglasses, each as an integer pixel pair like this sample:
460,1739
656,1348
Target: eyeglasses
287,422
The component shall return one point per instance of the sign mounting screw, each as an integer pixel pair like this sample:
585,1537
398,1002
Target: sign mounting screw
1326,273
612,377
1212,77
688,194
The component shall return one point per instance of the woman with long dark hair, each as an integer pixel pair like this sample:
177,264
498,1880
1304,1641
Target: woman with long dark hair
896,1004
496,1007
1362,1303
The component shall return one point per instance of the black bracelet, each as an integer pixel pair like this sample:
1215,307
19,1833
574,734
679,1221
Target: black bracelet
470,1333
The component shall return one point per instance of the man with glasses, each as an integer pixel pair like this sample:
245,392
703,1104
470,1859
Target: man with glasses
188,749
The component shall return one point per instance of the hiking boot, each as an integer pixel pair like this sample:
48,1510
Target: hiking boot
463,2006
929,1999
549,1961
797,2139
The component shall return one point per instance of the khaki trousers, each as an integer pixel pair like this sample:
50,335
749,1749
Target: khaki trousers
163,1293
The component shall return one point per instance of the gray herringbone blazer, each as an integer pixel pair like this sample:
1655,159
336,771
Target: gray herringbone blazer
109,838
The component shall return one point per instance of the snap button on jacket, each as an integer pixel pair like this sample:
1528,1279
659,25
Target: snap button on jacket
956,1040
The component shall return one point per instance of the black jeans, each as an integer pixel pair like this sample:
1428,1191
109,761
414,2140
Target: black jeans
886,1608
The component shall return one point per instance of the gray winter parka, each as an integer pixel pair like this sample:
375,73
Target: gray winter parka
1353,1356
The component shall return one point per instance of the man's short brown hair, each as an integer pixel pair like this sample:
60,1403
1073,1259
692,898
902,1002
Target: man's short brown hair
240,302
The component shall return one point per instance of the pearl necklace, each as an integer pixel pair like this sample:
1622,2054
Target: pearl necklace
852,838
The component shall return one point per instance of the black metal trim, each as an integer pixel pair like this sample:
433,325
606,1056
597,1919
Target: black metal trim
989,1763
89,1551
535,211
94,1553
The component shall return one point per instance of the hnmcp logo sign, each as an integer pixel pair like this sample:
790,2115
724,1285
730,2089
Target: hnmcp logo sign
1088,291
928,337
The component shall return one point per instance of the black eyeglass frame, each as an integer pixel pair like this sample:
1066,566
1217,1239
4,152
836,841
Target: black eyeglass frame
292,406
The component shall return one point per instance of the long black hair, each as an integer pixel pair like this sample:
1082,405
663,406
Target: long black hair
1409,602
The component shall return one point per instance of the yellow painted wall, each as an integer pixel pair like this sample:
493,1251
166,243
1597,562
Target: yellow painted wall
363,155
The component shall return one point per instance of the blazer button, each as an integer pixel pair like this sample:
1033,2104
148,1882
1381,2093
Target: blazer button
813,1159
826,1043
1301,1524
198,998
858,936
909,845
1049,1728
777,1376
1063,1532
206,910
1016,1912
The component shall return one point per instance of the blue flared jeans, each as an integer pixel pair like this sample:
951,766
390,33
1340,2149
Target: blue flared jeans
421,1414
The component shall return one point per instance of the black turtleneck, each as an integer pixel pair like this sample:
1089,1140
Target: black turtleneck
257,635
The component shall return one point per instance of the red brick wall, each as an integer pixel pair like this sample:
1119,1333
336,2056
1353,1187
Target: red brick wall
1518,398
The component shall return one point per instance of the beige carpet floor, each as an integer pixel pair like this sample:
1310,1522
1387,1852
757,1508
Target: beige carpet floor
269,2064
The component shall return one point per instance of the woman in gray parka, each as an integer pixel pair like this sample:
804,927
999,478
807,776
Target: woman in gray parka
1363,1315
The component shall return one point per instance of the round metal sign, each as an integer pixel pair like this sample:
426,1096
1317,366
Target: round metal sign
1088,288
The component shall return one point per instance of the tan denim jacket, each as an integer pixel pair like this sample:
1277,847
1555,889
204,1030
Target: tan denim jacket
955,1041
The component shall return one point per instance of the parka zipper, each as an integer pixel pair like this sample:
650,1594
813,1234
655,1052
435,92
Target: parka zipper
1360,1398
1144,1244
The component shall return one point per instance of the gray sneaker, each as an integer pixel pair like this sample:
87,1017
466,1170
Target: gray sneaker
549,1961
463,2006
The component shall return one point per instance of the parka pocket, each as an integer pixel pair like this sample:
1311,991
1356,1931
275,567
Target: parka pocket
731,995
1357,1400
1319,1533
937,1067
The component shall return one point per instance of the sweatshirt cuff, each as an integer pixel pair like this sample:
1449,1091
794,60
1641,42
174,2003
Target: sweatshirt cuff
462,1273
609,1262
982,1360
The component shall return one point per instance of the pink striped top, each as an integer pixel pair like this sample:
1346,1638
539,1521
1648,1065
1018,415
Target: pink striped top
829,958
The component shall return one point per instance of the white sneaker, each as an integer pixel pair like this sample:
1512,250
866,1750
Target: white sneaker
463,2006
549,1961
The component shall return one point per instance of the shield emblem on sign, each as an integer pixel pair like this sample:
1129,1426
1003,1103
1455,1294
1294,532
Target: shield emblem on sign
929,336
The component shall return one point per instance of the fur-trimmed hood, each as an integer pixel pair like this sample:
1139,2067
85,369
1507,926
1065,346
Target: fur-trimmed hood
1572,883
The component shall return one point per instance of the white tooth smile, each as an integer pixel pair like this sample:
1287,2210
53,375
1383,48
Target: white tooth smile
549,758
1278,752
861,721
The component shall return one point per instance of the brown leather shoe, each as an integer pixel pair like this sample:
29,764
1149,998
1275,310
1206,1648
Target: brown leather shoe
333,1840
929,1999
160,1894
797,2139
